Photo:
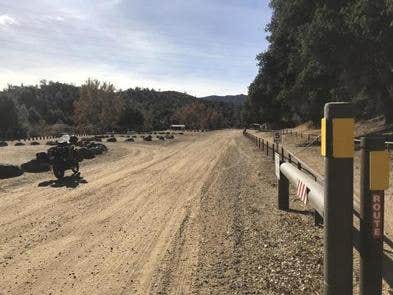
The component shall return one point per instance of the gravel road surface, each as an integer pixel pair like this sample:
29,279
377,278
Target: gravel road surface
195,216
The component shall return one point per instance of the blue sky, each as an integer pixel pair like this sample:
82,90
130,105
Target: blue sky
201,47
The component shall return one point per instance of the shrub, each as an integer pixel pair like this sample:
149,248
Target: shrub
35,166
9,171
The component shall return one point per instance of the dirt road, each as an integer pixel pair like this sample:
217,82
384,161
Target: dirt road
193,216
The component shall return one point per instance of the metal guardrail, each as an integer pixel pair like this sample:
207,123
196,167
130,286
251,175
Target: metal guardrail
332,199
315,194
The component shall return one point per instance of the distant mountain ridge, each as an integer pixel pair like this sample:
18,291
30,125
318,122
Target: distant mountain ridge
234,99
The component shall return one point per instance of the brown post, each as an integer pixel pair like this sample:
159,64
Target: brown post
374,179
338,148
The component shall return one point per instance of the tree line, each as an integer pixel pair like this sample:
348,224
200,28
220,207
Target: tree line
51,108
321,51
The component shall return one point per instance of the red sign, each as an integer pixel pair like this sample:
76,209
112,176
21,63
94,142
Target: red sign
377,211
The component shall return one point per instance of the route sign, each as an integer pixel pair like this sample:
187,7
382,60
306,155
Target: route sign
277,136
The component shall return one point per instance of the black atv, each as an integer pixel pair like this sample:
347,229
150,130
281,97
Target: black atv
63,157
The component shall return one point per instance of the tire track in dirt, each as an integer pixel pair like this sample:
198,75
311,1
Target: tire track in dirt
109,235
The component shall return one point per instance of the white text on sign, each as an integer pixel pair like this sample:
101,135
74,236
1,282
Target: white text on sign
377,216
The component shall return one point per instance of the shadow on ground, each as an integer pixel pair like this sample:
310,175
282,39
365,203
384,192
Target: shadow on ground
69,181
301,212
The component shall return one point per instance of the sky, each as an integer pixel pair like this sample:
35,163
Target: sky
202,47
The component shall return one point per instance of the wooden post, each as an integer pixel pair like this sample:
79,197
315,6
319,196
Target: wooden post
338,148
374,180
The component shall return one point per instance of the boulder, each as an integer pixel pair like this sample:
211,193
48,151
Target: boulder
112,139
148,138
129,140
34,143
35,166
9,171
19,143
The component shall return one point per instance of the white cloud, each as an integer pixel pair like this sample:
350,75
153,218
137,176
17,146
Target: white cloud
166,45
6,20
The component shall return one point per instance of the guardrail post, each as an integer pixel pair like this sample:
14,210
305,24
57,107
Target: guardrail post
318,219
273,150
337,146
267,148
283,191
263,144
374,179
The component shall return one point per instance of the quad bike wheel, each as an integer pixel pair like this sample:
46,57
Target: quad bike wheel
58,171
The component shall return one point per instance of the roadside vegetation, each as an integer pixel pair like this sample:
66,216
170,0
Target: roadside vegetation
324,51
52,108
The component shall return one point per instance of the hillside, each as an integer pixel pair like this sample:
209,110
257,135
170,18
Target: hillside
234,99
53,107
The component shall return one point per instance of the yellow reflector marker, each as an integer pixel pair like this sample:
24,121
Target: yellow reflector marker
323,137
343,137
379,170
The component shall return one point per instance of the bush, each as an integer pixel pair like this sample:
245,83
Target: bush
35,166
43,157
19,144
129,140
9,171
51,143
3,143
147,138
112,139
86,153
34,143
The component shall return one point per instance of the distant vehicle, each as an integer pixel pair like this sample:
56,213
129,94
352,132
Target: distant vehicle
178,127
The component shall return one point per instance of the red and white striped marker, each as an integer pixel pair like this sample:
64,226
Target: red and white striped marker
302,192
